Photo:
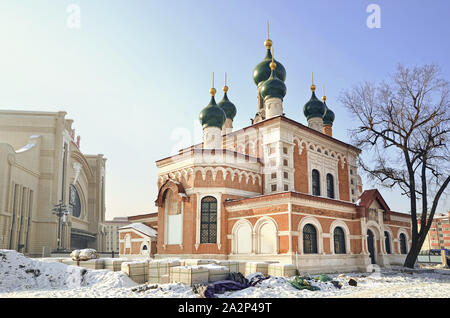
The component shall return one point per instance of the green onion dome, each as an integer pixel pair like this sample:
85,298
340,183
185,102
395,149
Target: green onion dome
227,106
314,107
212,115
273,87
328,119
262,71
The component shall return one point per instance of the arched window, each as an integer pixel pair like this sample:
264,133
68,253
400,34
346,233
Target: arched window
387,242
243,238
174,219
127,244
315,182
145,250
173,207
309,239
403,244
208,220
330,186
339,241
74,202
267,238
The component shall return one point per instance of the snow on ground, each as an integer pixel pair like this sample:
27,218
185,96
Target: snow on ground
24,277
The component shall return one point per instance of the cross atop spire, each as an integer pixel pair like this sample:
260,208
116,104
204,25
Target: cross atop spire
313,87
268,42
225,88
212,91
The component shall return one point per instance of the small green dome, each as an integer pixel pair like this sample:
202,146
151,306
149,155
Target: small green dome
212,115
314,108
273,87
262,71
228,107
328,119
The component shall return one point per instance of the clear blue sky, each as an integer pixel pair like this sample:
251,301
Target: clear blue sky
137,73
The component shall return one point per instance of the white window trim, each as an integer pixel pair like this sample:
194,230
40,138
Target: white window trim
316,224
341,224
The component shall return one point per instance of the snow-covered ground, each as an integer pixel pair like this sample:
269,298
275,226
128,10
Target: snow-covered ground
24,277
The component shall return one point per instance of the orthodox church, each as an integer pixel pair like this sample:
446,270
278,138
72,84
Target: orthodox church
276,190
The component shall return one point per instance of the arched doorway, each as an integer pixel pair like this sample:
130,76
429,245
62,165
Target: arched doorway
370,246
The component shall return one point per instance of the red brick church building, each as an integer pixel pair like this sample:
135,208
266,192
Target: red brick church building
275,190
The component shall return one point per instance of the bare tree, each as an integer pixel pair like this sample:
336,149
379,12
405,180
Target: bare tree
404,124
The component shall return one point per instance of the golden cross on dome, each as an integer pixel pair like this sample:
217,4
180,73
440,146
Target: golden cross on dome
313,87
212,91
225,88
268,42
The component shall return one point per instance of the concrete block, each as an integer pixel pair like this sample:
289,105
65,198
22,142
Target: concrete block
189,275
256,267
160,268
136,270
283,270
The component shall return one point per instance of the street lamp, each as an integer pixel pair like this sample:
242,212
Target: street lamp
60,210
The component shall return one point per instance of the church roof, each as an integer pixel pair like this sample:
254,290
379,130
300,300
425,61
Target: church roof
282,118
368,196
147,230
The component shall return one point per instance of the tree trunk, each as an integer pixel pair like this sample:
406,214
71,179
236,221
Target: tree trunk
412,256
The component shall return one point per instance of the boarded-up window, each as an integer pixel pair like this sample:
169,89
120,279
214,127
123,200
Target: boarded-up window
244,239
174,219
267,238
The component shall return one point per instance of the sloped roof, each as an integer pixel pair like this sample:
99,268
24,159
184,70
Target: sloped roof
368,196
145,229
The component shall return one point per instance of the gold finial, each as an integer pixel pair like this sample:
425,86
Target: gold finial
313,87
268,42
225,88
324,98
272,64
212,91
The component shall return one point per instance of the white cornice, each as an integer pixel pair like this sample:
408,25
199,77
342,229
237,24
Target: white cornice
297,201
230,191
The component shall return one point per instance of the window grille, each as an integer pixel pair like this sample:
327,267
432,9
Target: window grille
339,241
208,221
309,239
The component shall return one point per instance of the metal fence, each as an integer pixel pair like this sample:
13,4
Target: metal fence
430,259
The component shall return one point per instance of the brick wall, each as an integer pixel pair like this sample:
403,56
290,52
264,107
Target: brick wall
301,169
344,192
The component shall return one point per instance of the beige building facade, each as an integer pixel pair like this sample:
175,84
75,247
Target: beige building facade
112,243
41,165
